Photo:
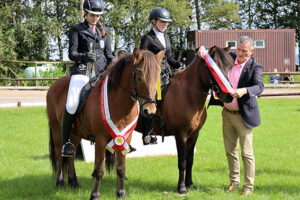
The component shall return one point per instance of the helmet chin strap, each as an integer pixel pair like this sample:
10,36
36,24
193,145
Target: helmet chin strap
157,28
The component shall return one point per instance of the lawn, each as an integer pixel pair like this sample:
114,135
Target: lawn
25,171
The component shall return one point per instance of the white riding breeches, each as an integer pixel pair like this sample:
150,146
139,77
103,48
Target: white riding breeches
77,82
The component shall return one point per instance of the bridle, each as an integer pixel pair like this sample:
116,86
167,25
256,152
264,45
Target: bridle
213,83
135,96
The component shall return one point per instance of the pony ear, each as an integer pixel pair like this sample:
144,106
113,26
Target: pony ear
137,55
227,48
160,55
212,50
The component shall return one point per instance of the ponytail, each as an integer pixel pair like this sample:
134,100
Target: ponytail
100,26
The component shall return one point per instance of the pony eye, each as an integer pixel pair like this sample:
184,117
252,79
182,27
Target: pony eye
139,80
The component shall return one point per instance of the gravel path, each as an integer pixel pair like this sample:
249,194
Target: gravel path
10,98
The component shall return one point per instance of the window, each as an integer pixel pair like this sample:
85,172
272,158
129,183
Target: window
191,44
232,43
259,44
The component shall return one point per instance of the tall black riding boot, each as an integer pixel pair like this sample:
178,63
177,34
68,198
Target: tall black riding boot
67,128
147,127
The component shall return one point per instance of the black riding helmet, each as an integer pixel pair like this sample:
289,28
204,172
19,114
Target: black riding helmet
93,6
161,14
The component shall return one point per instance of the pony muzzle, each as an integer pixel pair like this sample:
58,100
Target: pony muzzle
148,109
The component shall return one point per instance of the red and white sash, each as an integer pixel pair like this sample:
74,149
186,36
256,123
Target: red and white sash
216,72
119,137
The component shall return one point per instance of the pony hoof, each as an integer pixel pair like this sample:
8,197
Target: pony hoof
74,184
95,196
60,184
182,190
121,194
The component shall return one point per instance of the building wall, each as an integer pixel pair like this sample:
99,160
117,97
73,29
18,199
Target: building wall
279,45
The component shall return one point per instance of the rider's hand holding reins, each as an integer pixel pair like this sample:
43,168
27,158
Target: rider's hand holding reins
90,57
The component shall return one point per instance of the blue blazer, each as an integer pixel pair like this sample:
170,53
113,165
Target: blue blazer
251,78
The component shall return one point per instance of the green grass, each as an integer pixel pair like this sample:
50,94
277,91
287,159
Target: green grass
25,171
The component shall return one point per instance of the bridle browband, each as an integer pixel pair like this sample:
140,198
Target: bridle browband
134,94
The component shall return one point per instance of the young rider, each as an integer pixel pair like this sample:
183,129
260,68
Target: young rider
90,48
155,41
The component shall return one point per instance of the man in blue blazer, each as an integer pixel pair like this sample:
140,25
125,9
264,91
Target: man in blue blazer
242,114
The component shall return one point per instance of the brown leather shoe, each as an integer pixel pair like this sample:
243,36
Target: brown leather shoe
246,192
231,187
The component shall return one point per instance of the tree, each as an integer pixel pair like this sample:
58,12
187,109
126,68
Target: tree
291,19
7,40
129,20
181,12
247,13
270,13
219,14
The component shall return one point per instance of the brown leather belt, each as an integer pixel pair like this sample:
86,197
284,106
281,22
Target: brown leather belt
232,111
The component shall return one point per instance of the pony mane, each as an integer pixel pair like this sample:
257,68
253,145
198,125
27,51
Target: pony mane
150,73
116,68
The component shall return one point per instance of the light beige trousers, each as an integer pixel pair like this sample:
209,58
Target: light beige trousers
234,131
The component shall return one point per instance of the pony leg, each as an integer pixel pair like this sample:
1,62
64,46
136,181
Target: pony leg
99,168
181,153
190,159
72,178
55,152
60,170
121,174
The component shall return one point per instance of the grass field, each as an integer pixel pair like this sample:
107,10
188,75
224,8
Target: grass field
25,171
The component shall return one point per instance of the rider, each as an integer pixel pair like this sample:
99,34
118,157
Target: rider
155,41
89,44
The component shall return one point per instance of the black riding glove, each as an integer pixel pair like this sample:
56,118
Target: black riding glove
89,57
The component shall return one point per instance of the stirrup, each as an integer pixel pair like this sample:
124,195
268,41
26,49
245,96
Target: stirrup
148,139
69,153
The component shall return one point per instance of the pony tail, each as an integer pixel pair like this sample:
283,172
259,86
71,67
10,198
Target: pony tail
100,26
110,161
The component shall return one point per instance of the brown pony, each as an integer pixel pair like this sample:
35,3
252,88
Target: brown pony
183,110
132,78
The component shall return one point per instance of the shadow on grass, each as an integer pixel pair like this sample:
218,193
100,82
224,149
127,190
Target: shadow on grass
43,187
41,157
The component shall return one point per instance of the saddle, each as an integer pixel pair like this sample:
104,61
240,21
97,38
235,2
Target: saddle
86,90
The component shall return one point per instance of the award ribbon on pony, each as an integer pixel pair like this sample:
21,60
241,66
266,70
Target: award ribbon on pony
119,137
218,75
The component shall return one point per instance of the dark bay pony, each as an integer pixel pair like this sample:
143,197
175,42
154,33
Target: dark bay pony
184,111
132,78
